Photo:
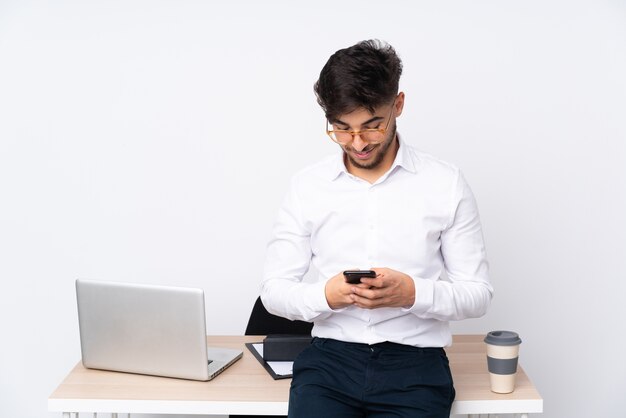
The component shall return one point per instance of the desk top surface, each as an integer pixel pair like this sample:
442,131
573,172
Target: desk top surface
247,381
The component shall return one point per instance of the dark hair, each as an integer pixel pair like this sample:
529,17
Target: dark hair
365,75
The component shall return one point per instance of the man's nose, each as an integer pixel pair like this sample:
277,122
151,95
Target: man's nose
357,143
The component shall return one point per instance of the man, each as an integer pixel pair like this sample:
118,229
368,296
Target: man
380,205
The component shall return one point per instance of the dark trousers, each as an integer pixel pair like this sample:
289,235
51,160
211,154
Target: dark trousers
337,379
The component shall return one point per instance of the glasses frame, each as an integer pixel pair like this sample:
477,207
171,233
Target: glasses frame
382,131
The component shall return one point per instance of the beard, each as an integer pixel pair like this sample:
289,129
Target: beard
383,149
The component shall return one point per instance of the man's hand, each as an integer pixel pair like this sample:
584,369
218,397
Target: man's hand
390,288
338,292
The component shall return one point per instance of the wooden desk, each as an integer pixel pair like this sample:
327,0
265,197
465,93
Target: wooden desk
246,388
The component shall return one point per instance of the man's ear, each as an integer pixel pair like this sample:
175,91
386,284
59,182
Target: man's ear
399,104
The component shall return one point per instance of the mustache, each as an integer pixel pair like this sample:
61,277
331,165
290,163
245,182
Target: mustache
366,149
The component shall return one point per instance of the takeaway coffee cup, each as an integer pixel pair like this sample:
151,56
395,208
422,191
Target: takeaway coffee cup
502,355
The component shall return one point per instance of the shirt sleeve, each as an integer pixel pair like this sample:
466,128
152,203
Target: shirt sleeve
466,292
288,257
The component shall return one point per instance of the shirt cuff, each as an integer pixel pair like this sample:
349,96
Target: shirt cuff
424,296
320,304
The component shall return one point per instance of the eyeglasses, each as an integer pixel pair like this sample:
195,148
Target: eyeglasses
372,136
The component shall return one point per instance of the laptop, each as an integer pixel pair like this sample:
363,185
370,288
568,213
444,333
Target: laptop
146,329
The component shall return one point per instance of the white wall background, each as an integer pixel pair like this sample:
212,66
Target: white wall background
152,141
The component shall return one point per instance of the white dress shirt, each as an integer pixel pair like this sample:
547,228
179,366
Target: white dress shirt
419,218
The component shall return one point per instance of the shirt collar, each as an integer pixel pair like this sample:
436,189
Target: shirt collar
403,159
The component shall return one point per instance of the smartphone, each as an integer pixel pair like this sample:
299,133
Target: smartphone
354,276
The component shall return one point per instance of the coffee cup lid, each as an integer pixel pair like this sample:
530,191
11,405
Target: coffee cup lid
503,338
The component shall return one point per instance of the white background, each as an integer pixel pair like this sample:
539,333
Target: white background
152,141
